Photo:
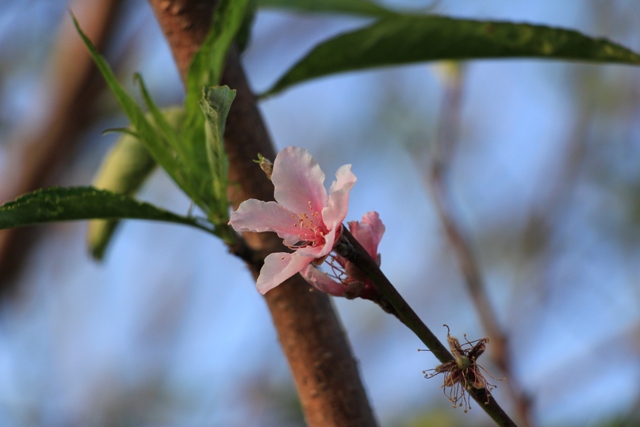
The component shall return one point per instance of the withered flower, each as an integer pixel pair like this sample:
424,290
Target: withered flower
462,373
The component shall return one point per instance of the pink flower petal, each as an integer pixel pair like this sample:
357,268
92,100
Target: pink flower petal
298,180
321,281
338,205
305,217
258,216
368,232
277,268
314,251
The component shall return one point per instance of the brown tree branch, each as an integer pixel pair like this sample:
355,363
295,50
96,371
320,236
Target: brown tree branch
309,331
38,150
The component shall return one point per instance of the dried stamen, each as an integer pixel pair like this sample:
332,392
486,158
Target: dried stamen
462,373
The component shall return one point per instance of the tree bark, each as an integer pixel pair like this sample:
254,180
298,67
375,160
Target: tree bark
324,370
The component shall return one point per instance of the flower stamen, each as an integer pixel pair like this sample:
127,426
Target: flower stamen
312,229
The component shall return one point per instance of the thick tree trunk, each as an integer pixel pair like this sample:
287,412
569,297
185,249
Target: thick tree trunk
310,333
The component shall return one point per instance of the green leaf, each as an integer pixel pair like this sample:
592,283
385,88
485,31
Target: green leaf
404,39
206,70
207,64
124,170
356,7
142,127
215,104
167,131
80,203
129,163
244,32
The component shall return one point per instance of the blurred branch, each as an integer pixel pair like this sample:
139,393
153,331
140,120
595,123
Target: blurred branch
435,176
309,331
42,147
554,197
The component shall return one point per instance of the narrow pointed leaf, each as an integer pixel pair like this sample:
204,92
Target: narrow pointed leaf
355,7
82,203
142,127
166,130
207,64
127,165
206,70
215,104
243,35
405,39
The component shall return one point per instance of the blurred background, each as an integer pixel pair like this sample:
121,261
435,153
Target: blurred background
170,331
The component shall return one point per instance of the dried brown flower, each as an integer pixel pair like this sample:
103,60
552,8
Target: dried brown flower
462,373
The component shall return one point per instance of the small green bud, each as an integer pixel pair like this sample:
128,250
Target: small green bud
265,164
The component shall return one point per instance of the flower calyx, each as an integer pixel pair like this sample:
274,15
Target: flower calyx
342,278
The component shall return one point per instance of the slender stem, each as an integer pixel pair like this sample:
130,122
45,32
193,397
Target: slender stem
349,248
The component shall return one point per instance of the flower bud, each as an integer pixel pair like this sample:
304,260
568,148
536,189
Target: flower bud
265,165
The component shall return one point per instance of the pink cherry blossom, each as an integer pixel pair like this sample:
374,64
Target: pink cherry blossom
303,215
343,279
